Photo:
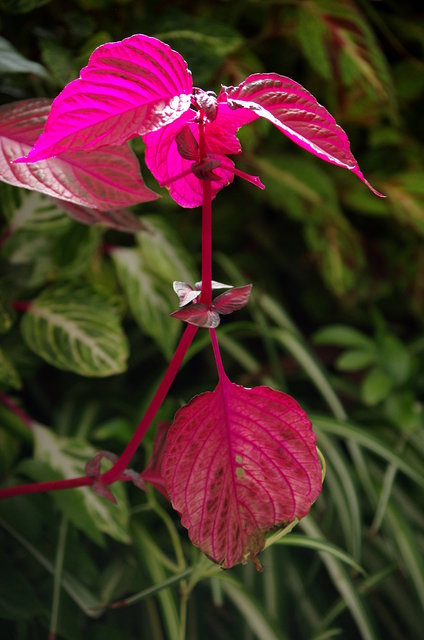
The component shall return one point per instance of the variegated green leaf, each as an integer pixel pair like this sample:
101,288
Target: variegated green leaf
146,275
76,329
9,376
150,298
66,458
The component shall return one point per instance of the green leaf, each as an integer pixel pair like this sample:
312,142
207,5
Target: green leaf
313,369
405,198
76,329
336,247
344,585
376,386
62,457
394,358
339,335
87,602
144,546
9,375
163,252
355,360
6,317
409,549
11,61
311,33
21,6
146,275
18,599
205,43
344,493
249,609
59,61
38,214
322,545
363,437
150,299
350,45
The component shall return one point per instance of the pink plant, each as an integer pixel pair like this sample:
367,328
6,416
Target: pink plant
236,462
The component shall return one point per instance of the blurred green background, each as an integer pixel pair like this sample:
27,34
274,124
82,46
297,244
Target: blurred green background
336,320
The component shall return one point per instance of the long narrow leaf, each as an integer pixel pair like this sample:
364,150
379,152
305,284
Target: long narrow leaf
344,585
364,438
297,540
250,610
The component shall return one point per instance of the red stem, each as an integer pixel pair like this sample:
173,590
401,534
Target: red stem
119,467
220,367
15,409
206,293
125,458
21,305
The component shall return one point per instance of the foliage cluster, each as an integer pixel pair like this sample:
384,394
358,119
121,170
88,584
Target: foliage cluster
335,319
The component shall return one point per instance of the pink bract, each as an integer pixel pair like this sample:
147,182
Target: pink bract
237,463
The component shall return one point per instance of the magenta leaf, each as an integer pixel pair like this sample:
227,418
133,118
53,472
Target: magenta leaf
129,88
237,463
232,300
204,168
187,144
198,314
297,114
103,179
171,168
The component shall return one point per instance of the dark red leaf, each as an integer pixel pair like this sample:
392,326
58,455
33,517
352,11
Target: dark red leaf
237,463
198,314
232,300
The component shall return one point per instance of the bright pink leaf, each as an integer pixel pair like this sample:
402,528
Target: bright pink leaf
104,179
172,169
232,300
239,462
295,112
128,88
198,314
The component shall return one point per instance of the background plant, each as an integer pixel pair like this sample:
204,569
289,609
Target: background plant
334,255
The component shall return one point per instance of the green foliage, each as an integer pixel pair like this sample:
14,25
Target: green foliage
336,319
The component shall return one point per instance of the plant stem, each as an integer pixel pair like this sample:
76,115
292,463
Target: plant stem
220,367
206,294
125,458
19,413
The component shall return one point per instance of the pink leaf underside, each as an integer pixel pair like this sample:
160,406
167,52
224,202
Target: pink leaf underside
198,314
128,88
120,219
185,292
103,179
239,462
297,114
232,300
165,161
